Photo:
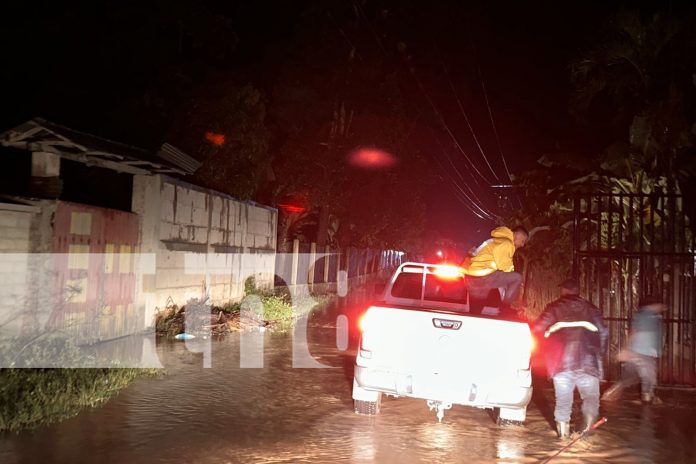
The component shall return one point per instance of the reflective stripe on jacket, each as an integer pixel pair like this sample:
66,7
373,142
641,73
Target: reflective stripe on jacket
575,336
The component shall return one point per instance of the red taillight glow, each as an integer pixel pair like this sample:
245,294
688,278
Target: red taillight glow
526,340
449,272
362,323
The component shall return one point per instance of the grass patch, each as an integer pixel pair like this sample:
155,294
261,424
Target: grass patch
279,312
33,397
282,313
30,397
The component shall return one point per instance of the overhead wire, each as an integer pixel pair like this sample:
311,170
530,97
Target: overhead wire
455,169
490,115
444,124
459,192
361,14
466,117
495,129
462,196
476,201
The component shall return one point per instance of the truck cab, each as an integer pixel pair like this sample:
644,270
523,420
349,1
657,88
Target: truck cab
420,341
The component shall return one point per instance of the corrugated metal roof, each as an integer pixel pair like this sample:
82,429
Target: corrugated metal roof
41,135
178,158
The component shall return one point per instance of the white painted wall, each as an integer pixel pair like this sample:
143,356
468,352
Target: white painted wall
187,227
15,244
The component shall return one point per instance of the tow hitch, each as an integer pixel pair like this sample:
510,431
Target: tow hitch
440,407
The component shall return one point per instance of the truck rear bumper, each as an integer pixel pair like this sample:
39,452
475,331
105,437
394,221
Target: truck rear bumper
505,394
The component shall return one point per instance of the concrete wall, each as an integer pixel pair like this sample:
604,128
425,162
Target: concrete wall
201,239
15,244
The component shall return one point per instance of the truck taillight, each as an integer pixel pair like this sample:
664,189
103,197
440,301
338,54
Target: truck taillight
447,272
363,321
526,340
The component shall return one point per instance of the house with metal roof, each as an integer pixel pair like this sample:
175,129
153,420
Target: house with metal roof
120,223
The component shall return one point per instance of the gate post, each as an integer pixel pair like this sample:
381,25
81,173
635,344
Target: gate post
576,234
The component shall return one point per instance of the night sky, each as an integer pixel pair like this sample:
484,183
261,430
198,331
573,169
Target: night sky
81,63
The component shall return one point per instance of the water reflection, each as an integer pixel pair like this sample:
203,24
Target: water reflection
279,414
510,447
362,445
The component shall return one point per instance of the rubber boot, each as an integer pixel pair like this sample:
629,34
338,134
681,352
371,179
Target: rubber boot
589,422
563,429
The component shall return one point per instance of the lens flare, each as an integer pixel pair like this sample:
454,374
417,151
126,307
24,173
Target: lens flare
371,158
215,138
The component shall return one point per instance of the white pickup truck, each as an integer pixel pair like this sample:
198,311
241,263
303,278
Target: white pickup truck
419,341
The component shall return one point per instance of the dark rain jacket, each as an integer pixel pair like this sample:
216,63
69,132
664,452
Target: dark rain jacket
574,334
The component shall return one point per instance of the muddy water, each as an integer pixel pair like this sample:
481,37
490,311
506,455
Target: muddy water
280,414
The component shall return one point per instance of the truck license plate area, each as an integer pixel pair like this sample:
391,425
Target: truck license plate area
446,324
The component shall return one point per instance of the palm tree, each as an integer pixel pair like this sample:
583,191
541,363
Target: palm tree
640,78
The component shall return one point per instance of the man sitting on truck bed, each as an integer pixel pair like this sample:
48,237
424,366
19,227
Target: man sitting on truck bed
491,267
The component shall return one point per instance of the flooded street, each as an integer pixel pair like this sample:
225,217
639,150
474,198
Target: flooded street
279,414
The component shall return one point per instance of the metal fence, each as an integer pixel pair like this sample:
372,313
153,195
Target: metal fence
631,245
356,262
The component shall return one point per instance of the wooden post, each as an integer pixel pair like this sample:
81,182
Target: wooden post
367,260
312,259
327,262
295,261
338,265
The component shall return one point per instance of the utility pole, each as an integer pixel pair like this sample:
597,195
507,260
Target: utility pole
502,193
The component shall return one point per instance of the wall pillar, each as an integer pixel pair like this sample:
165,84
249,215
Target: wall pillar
45,175
147,203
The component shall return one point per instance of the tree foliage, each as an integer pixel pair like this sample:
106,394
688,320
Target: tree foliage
620,84
341,95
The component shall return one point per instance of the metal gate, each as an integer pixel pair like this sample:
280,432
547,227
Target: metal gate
95,276
631,245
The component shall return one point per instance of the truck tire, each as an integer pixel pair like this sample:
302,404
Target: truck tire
507,416
367,408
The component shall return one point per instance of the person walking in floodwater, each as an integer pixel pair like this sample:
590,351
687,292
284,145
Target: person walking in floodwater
644,349
576,339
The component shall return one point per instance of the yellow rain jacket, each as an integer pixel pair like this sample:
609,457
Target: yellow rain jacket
495,254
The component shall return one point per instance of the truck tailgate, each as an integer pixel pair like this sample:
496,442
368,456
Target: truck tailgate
442,349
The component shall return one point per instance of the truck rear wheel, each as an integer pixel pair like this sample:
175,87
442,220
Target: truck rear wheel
368,408
511,416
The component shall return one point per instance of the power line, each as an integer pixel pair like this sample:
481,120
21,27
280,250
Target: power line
361,14
490,114
445,126
466,117
456,170
458,189
464,199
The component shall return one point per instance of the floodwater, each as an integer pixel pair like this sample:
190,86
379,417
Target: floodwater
281,414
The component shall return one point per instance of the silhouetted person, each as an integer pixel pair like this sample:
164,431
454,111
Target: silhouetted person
576,339
644,349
